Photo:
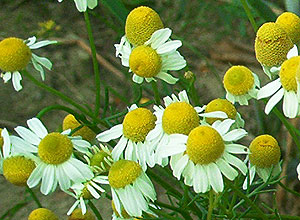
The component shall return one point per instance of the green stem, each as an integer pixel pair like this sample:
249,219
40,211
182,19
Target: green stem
269,216
288,189
156,93
249,14
161,213
249,201
95,62
55,107
60,95
184,213
95,210
211,204
288,126
35,198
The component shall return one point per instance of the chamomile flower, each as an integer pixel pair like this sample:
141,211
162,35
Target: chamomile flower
178,117
16,165
15,54
42,214
206,154
154,58
272,47
119,216
82,5
85,132
77,215
131,188
138,122
290,23
100,160
56,165
240,84
227,107
284,87
263,159
85,191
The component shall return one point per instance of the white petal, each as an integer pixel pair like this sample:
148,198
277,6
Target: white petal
169,46
36,175
73,207
159,37
37,127
216,114
16,80
92,3
42,44
180,166
215,177
224,126
64,183
28,135
235,135
22,146
93,191
226,169
293,52
119,148
237,149
274,100
269,89
234,161
290,104
113,133
137,79
167,77
6,77
6,143
172,61
48,179
31,41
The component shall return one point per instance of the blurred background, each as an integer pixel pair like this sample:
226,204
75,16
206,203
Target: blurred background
215,35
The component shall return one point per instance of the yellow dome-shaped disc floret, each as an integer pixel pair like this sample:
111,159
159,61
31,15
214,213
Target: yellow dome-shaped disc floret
272,44
123,173
98,159
138,123
144,61
290,23
264,151
55,148
238,80
287,73
179,118
85,132
77,215
14,54
125,215
204,145
42,214
17,169
220,105
141,23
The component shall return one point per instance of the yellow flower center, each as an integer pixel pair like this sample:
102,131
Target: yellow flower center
264,151
55,148
204,145
272,44
98,159
85,132
123,173
179,118
42,214
288,73
141,23
144,61
17,169
138,123
125,215
238,80
290,23
220,105
14,54
77,215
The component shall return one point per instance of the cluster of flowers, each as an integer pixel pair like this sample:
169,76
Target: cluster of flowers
197,142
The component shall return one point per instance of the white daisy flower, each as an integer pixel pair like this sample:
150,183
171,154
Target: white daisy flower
82,5
263,159
154,58
131,188
56,165
17,54
178,116
85,191
133,131
100,160
240,84
285,87
228,108
205,155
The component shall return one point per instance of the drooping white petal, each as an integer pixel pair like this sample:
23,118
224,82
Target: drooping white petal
215,177
48,179
42,43
274,100
36,175
180,166
226,169
64,183
16,80
172,61
290,104
113,133
293,52
234,161
73,207
119,148
167,77
269,89
6,143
